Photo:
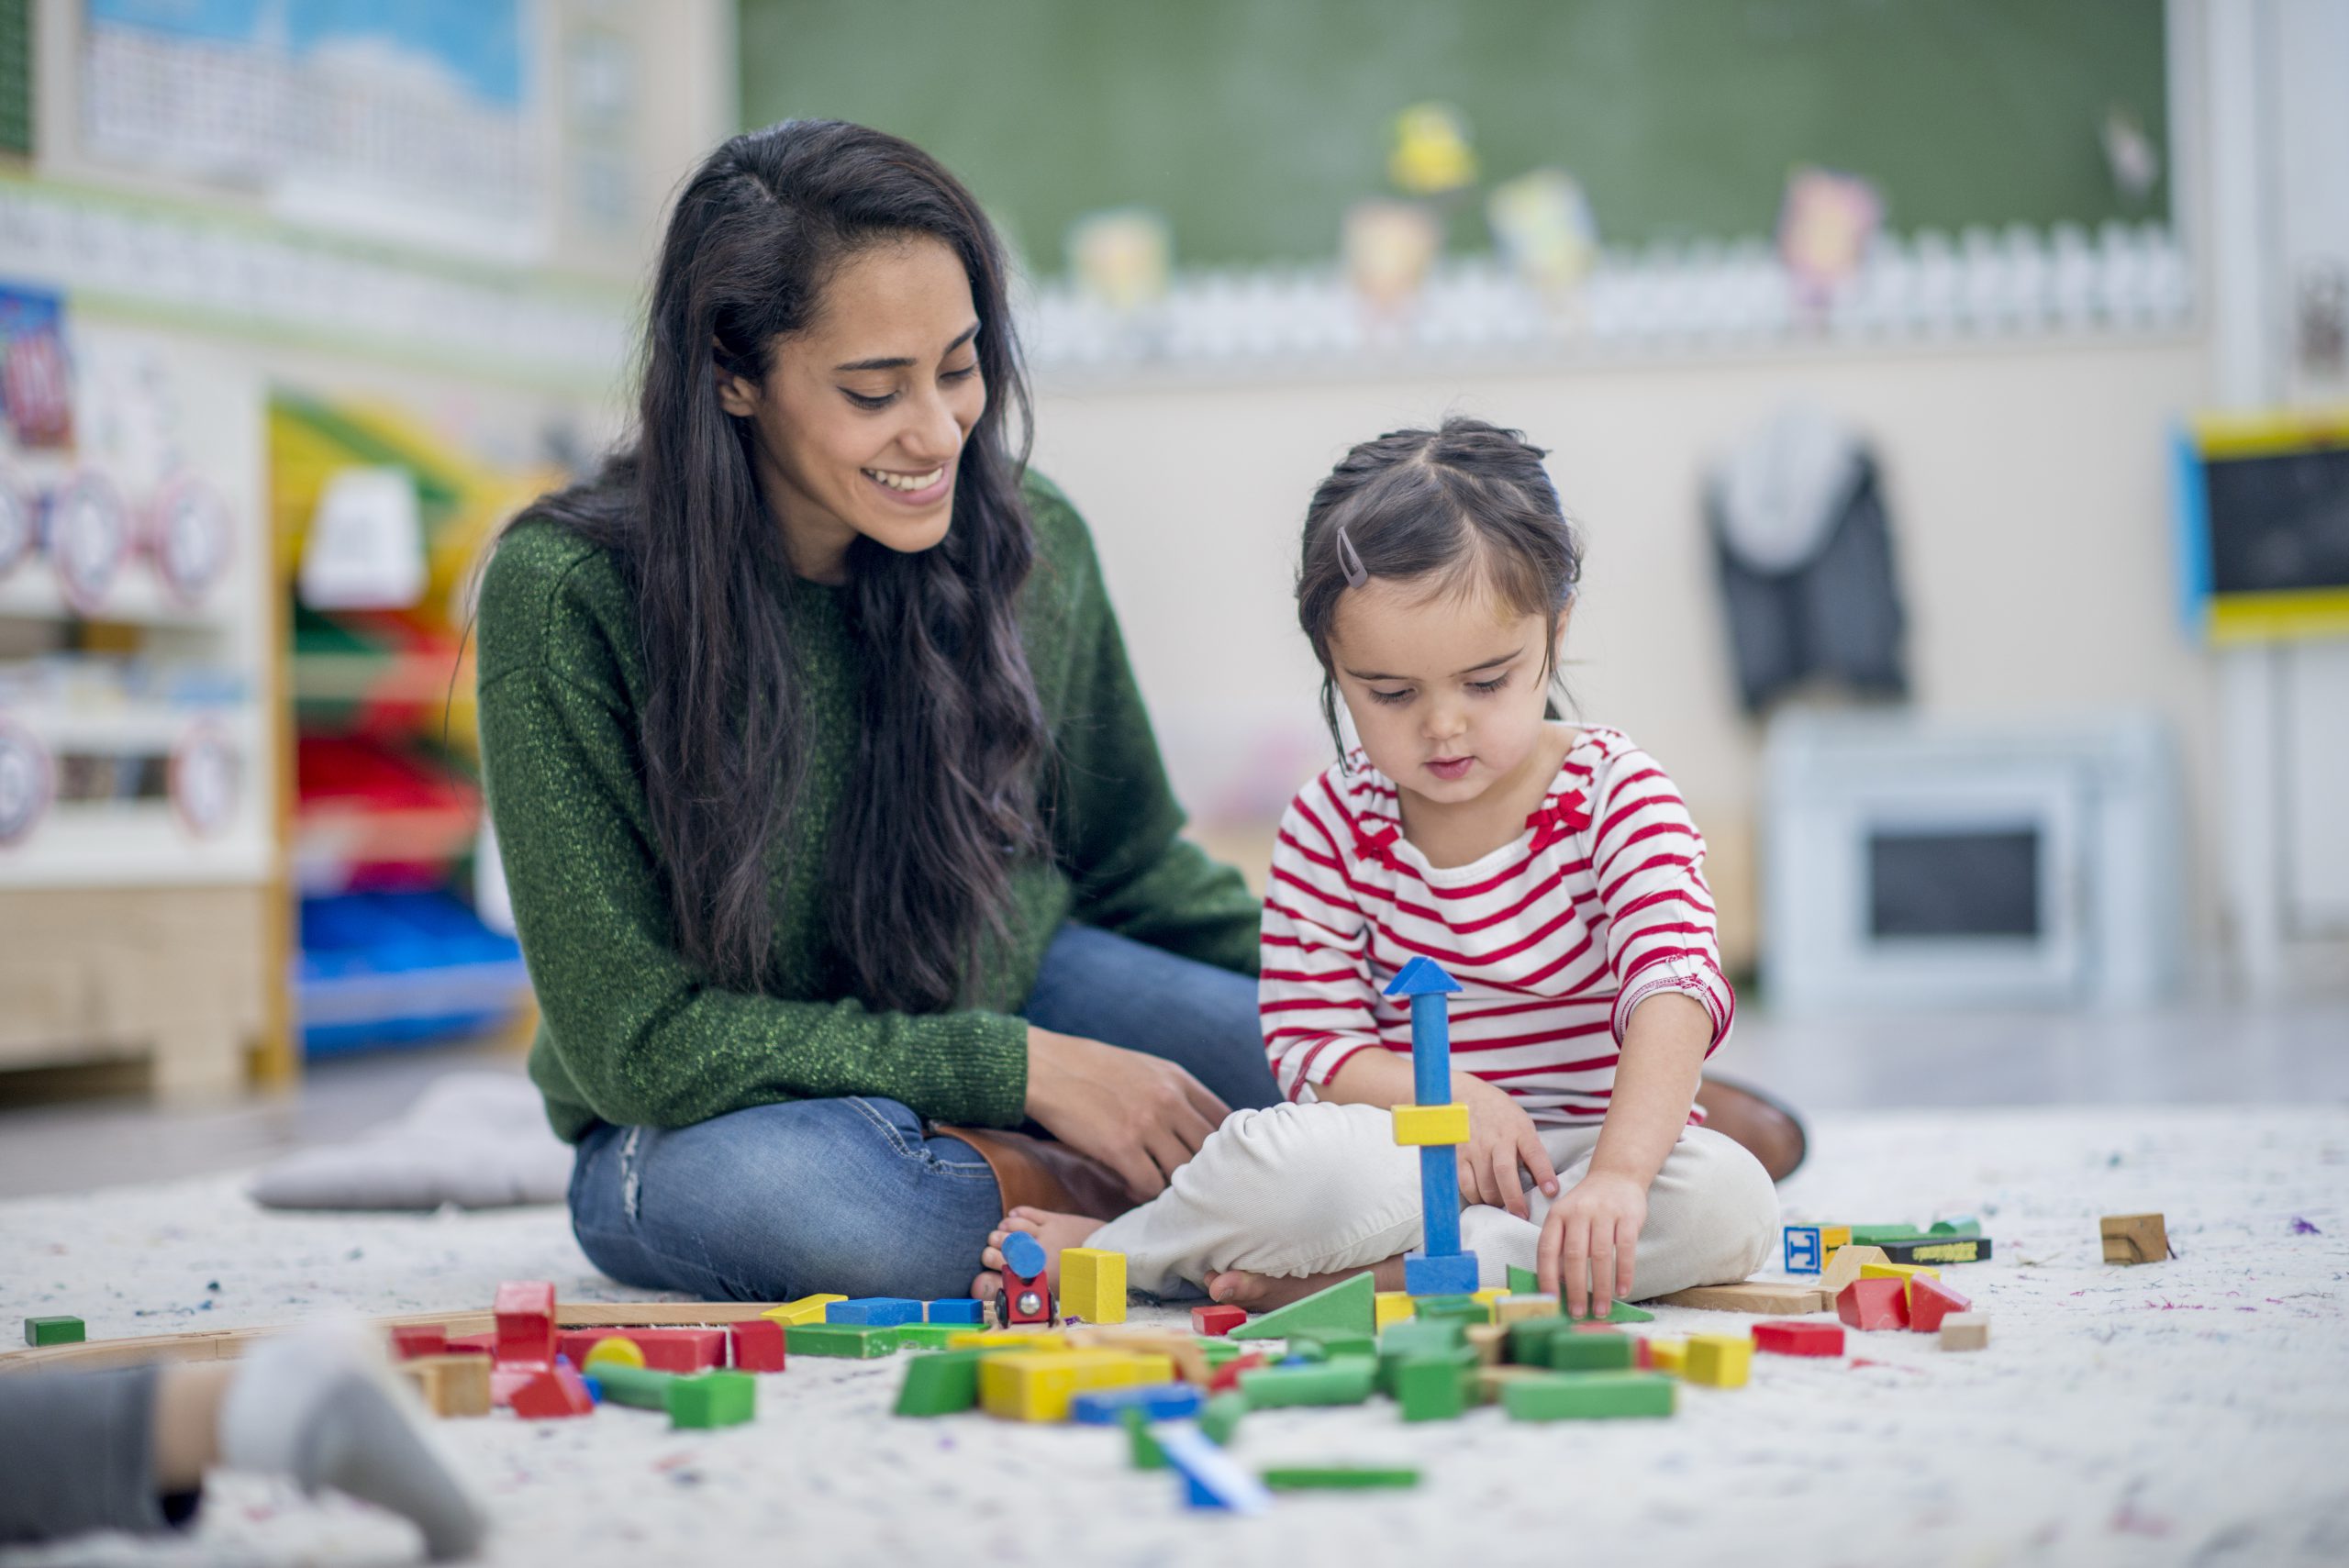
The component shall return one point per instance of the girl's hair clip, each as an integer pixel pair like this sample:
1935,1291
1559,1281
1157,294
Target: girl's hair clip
1357,575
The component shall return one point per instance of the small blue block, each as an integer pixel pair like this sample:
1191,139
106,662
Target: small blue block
1157,1402
958,1311
1023,1254
1452,1275
1802,1250
1211,1479
593,1386
874,1311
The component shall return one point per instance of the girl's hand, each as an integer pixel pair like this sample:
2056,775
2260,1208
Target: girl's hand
1591,1241
1501,1141
1140,1116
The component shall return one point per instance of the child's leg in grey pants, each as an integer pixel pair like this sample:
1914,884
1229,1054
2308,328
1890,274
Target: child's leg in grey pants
1296,1190
77,1455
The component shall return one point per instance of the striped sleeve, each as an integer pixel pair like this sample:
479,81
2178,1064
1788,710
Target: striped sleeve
1314,989
1649,860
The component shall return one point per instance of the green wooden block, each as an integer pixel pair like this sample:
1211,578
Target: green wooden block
856,1341
1443,1308
1336,1478
1619,1312
1218,1350
1348,1304
1529,1339
1876,1234
1431,1388
1392,1362
54,1331
1575,1351
1587,1396
918,1335
641,1386
1423,1335
1965,1226
1523,1282
1219,1418
713,1399
1140,1447
1345,1382
943,1382
1334,1344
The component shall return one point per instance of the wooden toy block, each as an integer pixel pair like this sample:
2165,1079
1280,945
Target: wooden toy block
1878,1235
1225,1379
2135,1237
1210,1478
1964,1225
1038,1387
713,1399
1803,1251
1799,1339
1423,1126
1523,1282
1874,1304
1667,1354
1965,1331
1619,1312
959,1309
640,1387
1216,1351
759,1346
1156,1401
1757,1296
1489,1340
1141,1445
1511,1309
1599,1349
450,1386
55,1331
1389,1308
807,1310
1219,1418
1844,1266
1217,1321
1931,1304
1451,1274
928,1336
552,1394
1350,1304
484,1344
1333,1345
1464,1309
1492,1296
1585,1396
1346,1381
664,1349
615,1350
1833,1236
1904,1272
876,1311
854,1341
1429,1388
1718,1361
945,1383
1487,1382
525,1314
1528,1342
1939,1250
419,1340
1093,1284
1188,1354
1336,1478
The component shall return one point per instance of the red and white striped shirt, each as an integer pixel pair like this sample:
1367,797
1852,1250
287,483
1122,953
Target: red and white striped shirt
1555,938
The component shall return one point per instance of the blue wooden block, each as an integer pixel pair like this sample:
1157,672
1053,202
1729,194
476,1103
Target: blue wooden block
1023,1254
1156,1401
1439,1199
1211,1478
957,1311
1802,1250
874,1311
1452,1275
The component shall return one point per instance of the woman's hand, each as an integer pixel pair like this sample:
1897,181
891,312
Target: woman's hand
1591,1241
1140,1116
1501,1141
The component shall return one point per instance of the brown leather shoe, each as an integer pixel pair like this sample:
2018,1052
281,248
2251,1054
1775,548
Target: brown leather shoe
1769,1131
1036,1172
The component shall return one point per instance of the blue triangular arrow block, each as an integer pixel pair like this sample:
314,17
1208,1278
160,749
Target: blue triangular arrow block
1422,977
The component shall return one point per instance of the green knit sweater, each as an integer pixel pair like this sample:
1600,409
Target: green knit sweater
633,1033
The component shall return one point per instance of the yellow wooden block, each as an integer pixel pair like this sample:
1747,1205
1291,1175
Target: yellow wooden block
1390,1307
1491,1299
807,1310
1416,1126
1008,1340
1904,1272
1093,1284
1832,1237
1668,1355
1718,1361
1038,1385
1518,1308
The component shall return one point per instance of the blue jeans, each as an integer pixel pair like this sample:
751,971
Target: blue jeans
857,1194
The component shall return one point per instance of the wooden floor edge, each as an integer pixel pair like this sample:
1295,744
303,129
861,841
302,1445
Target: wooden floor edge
227,1344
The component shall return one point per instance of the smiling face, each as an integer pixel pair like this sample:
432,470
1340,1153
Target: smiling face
861,421
1446,687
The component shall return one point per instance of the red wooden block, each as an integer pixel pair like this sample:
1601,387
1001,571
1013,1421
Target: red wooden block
554,1393
482,1344
1226,1378
427,1341
525,1310
758,1347
1929,1301
1217,1321
1874,1304
665,1350
1643,1354
1799,1339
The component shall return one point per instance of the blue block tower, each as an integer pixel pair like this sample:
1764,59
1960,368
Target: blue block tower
1437,1126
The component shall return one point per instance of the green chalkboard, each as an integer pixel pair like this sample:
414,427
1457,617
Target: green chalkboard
1252,123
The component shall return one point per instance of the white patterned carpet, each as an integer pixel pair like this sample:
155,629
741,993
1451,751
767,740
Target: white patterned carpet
2190,1412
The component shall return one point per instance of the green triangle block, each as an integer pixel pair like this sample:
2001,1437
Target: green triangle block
1619,1312
1348,1305
1523,1282
946,1383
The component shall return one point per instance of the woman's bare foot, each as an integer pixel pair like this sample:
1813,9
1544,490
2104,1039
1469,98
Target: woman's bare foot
1261,1293
1053,1231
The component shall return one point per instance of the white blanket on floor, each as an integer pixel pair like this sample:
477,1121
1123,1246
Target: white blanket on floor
473,1140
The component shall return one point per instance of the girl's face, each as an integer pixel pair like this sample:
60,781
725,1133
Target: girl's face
1446,690
862,419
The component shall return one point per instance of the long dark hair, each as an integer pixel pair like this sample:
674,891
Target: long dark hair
944,795
1467,505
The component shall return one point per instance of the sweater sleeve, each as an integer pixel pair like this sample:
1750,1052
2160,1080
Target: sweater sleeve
1315,993
1115,819
1649,860
642,1035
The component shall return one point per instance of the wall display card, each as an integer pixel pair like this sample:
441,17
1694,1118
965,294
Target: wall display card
89,539
36,378
25,783
191,537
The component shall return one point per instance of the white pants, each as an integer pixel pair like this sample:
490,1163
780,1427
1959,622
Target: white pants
1310,1189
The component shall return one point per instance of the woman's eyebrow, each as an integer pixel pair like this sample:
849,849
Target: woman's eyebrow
901,362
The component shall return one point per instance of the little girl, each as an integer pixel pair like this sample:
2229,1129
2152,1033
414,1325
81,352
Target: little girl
1552,869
